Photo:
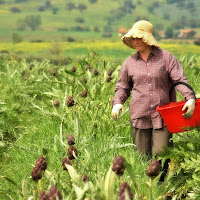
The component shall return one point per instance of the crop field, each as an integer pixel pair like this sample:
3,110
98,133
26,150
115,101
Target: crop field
59,63
57,136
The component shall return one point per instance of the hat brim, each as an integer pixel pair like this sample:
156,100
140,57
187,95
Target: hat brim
147,38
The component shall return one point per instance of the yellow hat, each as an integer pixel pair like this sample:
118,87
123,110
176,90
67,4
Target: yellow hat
141,29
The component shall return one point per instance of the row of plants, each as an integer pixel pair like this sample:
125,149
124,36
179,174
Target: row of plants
58,140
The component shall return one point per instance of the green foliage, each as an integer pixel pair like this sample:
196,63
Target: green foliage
56,48
185,164
70,6
2,2
31,21
169,32
93,1
96,29
19,1
15,10
20,24
16,38
174,1
81,7
55,10
30,93
128,6
70,39
31,125
197,42
109,185
79,19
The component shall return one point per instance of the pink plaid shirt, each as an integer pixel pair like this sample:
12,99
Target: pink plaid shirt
150,83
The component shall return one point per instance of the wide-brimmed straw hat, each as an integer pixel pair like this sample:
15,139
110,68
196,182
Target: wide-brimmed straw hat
141,29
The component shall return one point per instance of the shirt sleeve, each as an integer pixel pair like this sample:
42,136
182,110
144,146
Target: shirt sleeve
176,74
123,87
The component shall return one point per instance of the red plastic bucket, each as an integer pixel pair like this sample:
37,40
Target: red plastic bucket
172,116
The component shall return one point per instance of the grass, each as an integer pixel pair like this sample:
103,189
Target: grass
45,124
31,126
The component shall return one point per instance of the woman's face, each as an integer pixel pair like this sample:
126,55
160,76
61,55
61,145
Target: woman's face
139,45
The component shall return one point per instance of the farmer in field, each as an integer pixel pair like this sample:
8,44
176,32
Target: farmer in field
148,75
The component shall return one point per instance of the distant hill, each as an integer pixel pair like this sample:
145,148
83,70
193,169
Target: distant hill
67,20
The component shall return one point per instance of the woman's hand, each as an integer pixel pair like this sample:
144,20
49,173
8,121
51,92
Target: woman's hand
189,106
115,111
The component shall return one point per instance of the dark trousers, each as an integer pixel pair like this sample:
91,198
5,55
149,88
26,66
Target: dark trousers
152,142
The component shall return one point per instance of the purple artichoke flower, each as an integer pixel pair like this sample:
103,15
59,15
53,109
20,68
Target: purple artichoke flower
95,72
70,140
85,178
70,101
43,195
56,102
124,187
110,72
53,72
73,69
119,165
84,93
109,79
37,173
88,67
41,163
65,161
153,169
84,80
54,194
70,152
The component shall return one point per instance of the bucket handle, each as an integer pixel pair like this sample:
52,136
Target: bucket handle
183,83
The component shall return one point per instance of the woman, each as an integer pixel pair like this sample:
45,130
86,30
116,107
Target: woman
149,74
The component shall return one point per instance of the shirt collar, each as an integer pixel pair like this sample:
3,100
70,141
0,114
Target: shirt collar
153,53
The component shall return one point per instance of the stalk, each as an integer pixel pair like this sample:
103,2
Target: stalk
150,189
61,132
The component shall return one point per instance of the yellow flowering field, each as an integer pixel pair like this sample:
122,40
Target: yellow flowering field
37,47
181,49
25,47
4,11
114,49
